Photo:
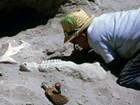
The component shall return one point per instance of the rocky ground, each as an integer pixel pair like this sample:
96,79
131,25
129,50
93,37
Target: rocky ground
81,83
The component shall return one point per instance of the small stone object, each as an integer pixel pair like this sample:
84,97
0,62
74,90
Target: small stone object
29,103
28,66
1,74
23,67
115,96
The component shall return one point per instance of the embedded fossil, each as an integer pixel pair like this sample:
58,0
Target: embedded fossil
6,57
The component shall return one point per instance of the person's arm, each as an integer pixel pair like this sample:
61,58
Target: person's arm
118,62
112,61
116,65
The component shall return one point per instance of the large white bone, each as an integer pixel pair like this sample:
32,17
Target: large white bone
86,71
6,57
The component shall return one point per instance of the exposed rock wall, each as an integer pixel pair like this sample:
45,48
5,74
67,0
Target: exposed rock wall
17,15
78,83
46,7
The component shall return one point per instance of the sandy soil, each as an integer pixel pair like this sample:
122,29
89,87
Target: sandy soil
78,82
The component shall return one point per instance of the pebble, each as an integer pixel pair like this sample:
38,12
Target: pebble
130,103
115,95
29,103
1,74
99,94
79,102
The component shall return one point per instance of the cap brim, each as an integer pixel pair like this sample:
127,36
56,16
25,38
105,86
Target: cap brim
71,37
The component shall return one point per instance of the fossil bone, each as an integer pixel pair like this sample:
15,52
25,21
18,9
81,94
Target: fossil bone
6,57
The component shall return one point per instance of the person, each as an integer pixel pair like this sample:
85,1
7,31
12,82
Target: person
113,36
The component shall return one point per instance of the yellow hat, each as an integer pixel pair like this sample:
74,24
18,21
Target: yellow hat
74,23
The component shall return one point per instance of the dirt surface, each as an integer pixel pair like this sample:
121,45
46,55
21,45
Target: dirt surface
46,41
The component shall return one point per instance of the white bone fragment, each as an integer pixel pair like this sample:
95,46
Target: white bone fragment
6,57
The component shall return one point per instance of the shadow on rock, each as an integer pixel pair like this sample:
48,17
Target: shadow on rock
80,57
20,18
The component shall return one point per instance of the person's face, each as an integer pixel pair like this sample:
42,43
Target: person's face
81,42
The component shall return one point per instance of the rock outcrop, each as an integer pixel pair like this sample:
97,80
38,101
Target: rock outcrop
46,7
81,83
